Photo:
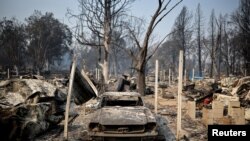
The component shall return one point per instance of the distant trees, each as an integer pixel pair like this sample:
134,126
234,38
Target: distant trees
167,54
43,40
223,50
233,49
212,27
182,32
48,39
113,40
213,49
12,43
118,57
241,20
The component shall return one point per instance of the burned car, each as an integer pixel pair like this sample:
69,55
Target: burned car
123,116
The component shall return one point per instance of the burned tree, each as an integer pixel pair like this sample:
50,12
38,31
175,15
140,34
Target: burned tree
198,31
141,56
183,32
219,44
212,35
99,17
48,39
12,43
241,18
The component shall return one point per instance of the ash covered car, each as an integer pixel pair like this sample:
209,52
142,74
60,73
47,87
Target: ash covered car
123,116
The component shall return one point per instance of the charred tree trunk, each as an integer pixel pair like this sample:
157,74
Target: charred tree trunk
141,58
141,66
199,39
233,62
141,81
227,50
107,39
220,59
212,59
105,67
212,20
184,47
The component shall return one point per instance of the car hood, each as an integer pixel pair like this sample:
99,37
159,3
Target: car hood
124,116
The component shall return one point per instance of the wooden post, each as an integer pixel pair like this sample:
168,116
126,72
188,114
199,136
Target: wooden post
72,75
156,85
193,76
169,77
185,78
96,73
8,73
162,78
164,75
245,72
179,95
160,75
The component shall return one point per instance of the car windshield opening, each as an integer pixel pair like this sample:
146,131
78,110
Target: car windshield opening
122,101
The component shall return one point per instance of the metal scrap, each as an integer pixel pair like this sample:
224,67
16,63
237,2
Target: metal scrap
31,104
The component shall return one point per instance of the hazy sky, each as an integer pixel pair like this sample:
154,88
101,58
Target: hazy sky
22,9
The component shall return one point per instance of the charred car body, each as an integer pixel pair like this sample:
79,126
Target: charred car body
122,115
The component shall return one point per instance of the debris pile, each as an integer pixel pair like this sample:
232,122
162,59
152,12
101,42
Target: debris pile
242,90
221,114
29,107
201,91
225,102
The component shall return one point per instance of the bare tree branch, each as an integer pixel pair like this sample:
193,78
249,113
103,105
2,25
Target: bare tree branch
166,13
159,44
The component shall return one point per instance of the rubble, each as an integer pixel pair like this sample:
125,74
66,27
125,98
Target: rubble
217,115
167,95
242,90
191,109
247,114
38,104
198,92
219,106
29,107
229,82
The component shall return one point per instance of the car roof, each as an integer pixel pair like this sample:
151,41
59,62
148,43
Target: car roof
121,94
